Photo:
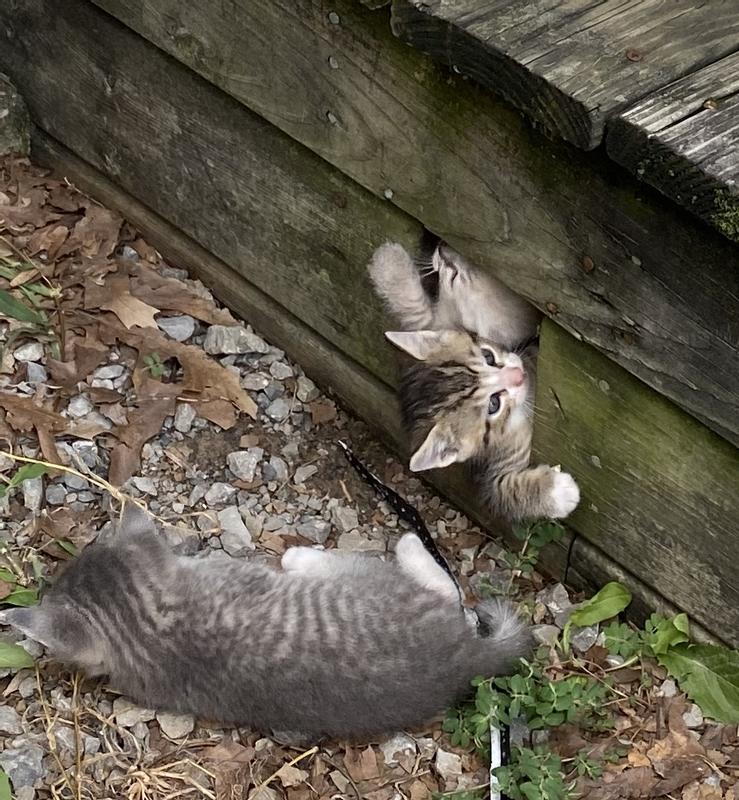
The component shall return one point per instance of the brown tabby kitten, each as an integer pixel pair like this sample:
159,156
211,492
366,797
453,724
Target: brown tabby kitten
466,396
332,644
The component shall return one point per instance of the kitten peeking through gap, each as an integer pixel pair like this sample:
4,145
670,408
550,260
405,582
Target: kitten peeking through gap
334,644
467,395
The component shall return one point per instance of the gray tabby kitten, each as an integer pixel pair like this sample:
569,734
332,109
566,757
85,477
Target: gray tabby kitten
467,395
333,644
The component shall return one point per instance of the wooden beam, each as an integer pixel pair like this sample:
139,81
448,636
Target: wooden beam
659,490
612,261
357,389
571,66
684,140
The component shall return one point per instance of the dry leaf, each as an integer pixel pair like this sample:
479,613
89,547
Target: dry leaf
322,411
5,589
221,412
228,752
23,414
291,776
130,310
96,233
361,765
47,445
49,239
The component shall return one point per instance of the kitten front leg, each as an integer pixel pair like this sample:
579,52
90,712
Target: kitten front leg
325,563
416,561
541,492
397,282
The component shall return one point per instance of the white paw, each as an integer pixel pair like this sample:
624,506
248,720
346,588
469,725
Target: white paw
389,261
564,495
302,559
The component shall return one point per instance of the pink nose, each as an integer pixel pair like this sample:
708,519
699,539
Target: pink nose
512,376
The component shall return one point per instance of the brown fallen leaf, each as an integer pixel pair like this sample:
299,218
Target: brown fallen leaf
291,776
5,589
220,412
361,764
170,294
131,311
228,752
49,239
144,422
96,233
85,354
419,791
47,445
322,411
23,414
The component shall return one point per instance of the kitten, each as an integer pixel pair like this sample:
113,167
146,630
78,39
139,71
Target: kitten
468,396
334,644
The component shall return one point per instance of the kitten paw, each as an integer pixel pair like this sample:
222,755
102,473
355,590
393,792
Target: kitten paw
564,495
390,262
302,559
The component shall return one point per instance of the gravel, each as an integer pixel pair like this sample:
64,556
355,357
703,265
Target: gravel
179,328
32,351
235,536
10,721
303,473
278,409
184,416
22,761
345,518
223,339
219,493
243,463
127,714
79,406
176,726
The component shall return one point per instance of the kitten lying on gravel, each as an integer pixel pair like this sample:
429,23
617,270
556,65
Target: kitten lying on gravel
335,645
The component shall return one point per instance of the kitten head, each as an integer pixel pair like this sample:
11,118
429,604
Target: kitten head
70,620
474,300
459,394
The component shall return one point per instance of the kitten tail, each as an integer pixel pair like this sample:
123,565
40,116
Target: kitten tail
398,284
507,638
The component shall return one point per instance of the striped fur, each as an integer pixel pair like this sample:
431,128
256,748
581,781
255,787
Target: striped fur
335,645
445,391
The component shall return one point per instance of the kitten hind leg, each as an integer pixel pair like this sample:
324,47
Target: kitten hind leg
419,565
397,282
541,492
323,563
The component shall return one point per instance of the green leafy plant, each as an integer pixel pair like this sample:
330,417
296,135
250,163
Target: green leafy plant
534,774
13,656
611,600
534,539
25,473
155,365
5,793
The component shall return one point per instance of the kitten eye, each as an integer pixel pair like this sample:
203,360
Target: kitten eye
489,357
494,403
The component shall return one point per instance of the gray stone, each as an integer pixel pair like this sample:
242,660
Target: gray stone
31,351
280,371
35,373
243,463
557,601
87,451
582,639
693,717
279,467
345,518
303,473
145,485
127,714
254,382
56,494
179,328
317,530
109,372
273,390
74,482
25,793
401,744
219,493
33,493
176,726
668,688
235,536
545,634
184,416
79,406
355,541
228,339
448,765
307,390
22,762
278,409
10,721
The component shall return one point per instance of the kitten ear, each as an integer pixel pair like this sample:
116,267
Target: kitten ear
438,450
36,623
135,522
419,344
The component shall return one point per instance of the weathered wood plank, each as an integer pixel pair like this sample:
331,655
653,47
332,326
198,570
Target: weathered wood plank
578,238
659,490
361,392
571,66
298,229
684,140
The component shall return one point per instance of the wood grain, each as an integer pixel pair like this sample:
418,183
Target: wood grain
684,140
571,66
611,260
579,562
659,490
296,228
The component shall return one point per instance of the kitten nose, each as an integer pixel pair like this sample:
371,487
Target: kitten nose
512,376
